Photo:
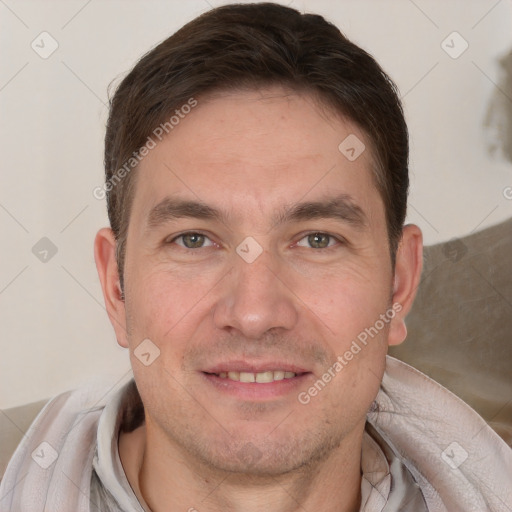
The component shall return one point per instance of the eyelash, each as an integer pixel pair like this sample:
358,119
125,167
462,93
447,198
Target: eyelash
329,247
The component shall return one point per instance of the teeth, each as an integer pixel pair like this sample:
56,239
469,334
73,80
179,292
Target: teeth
265,377
247,377
260,377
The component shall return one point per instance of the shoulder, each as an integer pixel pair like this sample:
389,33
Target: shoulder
458,460
57,449
14,422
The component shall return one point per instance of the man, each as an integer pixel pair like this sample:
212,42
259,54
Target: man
257,268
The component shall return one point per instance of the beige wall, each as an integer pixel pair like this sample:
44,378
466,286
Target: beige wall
54,330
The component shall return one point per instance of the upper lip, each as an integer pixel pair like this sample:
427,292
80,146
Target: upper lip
254,367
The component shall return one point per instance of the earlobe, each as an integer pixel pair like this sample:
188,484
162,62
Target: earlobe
408,266
106,264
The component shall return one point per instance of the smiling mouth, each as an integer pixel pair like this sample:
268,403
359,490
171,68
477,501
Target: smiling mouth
260,377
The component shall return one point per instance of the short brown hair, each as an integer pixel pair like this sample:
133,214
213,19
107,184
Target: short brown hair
244,46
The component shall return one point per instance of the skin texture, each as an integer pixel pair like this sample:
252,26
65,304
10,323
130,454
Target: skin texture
251,154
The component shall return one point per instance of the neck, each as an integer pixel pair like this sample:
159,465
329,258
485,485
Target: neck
165,477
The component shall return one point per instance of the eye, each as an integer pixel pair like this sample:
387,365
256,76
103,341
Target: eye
192,240
317,241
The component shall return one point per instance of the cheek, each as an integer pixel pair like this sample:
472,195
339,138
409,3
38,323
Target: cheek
348,300
162,306
350,306
162,309
357,345
357,385
170,289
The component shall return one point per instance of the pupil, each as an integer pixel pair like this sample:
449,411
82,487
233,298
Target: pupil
318,240
193,241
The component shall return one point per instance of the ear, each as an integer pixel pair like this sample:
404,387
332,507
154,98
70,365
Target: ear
408,265
105,256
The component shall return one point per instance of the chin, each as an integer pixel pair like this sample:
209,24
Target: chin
265,458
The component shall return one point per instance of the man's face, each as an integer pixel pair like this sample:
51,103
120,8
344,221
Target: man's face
269,283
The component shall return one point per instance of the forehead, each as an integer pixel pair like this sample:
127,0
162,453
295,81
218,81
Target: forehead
254,150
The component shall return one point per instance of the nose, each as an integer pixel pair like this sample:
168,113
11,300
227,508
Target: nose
256,298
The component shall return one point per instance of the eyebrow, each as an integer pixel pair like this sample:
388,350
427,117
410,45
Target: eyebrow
341,207
170,209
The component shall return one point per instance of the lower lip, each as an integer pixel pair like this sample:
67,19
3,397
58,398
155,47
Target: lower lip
257,390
